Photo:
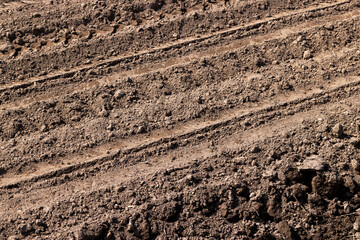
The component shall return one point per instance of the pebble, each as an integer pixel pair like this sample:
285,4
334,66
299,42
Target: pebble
300,38
19,41
338,130
347,208
111,126
103,113
355,165
271,173
5,47
131,226
119,94
36,15
75,118
43,128
13,238
168,113
24,229
259,62
13,54
356,225
91,72
119,189
255,149
329,27
339,145
141,129
355,142
307,54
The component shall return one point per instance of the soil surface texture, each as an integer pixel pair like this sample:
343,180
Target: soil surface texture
179,119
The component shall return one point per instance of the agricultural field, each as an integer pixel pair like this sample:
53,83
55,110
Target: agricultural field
179,119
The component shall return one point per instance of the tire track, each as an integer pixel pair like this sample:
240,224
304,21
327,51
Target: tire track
47,194
38,153
165,47
157,138
164,65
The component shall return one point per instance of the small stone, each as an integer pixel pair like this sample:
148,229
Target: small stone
36,15
103,113
131,226
271,173
110,235
188,179
141,129
356,225
168,113
12,143
307,54
111,126
274,155
357,179
13,53
355,142
119,94
300,38
357,126
329,26
91,73
167,92
19,41
2,171
313,163
119,189
338,130
39,222
347,208
339,145
13,238
323,127
25,229
255,149
75,118
355,165
5,47
258,62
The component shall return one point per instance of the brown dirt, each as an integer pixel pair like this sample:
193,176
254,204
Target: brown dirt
190,119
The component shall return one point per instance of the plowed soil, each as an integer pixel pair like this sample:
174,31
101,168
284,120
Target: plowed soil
179,119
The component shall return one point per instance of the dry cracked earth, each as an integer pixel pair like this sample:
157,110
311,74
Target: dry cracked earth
179,119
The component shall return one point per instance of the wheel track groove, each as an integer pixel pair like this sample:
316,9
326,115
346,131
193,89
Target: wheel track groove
158,67
165,47
184,132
